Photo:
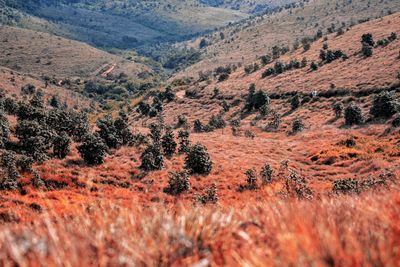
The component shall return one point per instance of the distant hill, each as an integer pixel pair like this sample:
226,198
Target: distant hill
248,40
121,24
45,54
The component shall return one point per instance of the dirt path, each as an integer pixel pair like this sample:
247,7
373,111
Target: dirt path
108,71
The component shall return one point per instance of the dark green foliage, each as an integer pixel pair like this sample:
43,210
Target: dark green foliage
74,123
28,89
392,37
24,164
34,138
348,186
368,39
256,100
55,102
144,108
203,43
198,160
168,143
93,150
275,123
217,122
353,115
152,158
210,195
251,181
268,72
297,125
266,174
385,105
367,50
278,67
266,59
37,100
306,47
178,182
314,66
338,108
10,106
184,142
251,68
122,128
223,77
182,122
37,181
108,132
168,95
8,164
155,132
4,130
198,127
396,121
61,145
295,102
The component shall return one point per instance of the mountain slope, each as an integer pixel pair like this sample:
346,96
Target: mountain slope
44,54
248,40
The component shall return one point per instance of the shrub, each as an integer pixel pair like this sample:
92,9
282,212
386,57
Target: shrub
275,123
4,130
24,164
168,143
278,67
368,39
353,115
210,195
198,160
295,102
338,109
61,145
392,37
266,174
268,72
217,122
251,181
93,149
143,108
122,128
34,139
396,121
155,132
297,186
314,66
198,127
297,125
366,50
384,105
152,158
8,163
178,182
55,102
223,77
108,132
182,122
184,142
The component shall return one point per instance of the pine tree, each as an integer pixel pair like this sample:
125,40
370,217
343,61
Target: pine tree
168,143
198,160
93,150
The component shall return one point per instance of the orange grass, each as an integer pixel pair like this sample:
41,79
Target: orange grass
331,231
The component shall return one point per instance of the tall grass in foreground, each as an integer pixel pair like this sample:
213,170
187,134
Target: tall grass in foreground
331,231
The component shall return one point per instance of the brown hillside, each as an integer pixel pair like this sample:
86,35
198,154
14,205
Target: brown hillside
44,54
246,41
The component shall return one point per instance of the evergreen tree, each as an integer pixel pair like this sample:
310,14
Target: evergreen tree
168,143
93,150
61,145
198,160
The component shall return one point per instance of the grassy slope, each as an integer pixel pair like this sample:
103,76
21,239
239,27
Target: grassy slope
44,54
243,44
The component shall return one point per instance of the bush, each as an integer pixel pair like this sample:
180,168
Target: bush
4,130
314,66
295,102
217,122
93,150
210,195
384,105
251,181
297,125
367,39
396,121
366,50
198,160
61,145
152,158
338,109
168,143
122,128
268,72
155,132
353,115
178,182
24,164
198,127
266,174
34,139
108,132
8,163
184,142
182,122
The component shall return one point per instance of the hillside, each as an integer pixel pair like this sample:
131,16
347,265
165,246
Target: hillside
122,24
246,41
44,54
